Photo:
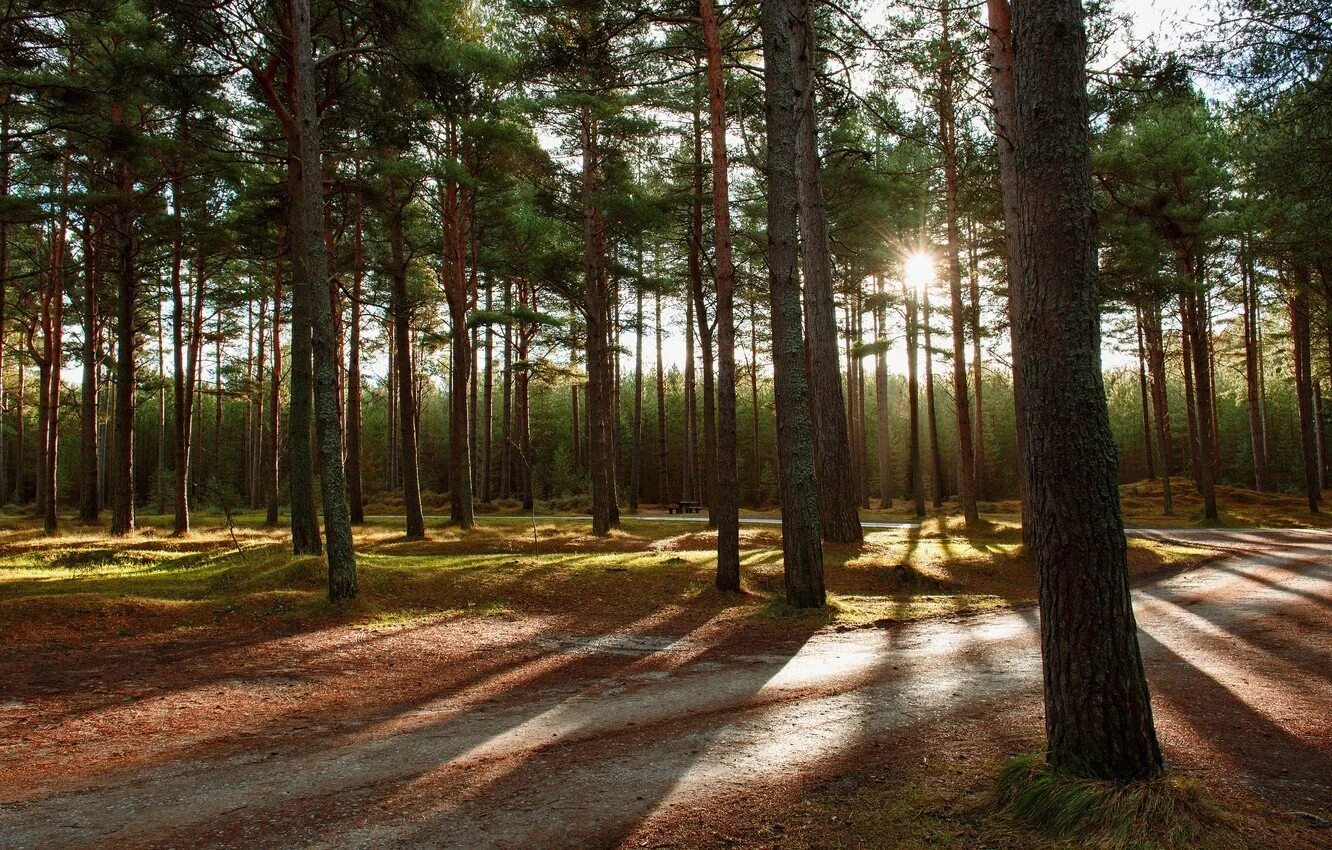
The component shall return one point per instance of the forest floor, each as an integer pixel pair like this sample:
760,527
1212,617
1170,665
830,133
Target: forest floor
488,691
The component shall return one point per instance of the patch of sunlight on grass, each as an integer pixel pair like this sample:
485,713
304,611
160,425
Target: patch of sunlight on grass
86,582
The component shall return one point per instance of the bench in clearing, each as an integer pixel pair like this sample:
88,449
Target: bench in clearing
684,508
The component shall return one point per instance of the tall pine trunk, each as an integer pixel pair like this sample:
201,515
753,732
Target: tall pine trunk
1297,302
311,278
1142,393
1098,715
966,473
271,447
300,410
121,483
802,548
1156,365
89,508
401,310
840,520
355,486
939,480
1252,312
707,445
1003,93
881,394
726,496
915,473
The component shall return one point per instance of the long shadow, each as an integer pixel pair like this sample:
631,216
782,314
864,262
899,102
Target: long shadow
1249,625
346,765
1279,766
1322,570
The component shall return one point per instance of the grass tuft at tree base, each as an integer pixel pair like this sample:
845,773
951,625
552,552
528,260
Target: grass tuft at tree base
1170,813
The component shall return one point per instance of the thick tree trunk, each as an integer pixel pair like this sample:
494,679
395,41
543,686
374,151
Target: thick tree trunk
839,518
725,508
1098,715
311,278
1156,365
1003,92
966,474
802,548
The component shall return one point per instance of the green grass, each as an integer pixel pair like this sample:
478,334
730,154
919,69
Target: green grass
1170,813
82,583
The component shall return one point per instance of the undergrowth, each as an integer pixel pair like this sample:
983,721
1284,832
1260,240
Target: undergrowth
1169,813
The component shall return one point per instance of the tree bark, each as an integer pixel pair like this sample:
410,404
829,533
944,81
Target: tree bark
1297,301
1195,338
961,397
725,509
802,549
596,308
311,278
1142,392
89,507
1098,715
401,308
663,473
914,471
881,394
271,448
300,404
839,518
939,480
1003,92
1252,312
487,400
121,483
636,436
707,473
1156,365
455,212
355,485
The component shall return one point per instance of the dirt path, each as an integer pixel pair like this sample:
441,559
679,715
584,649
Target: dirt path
520,735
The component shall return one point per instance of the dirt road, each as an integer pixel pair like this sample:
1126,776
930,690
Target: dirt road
520,735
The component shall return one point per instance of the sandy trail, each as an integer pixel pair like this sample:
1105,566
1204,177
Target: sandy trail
565,741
